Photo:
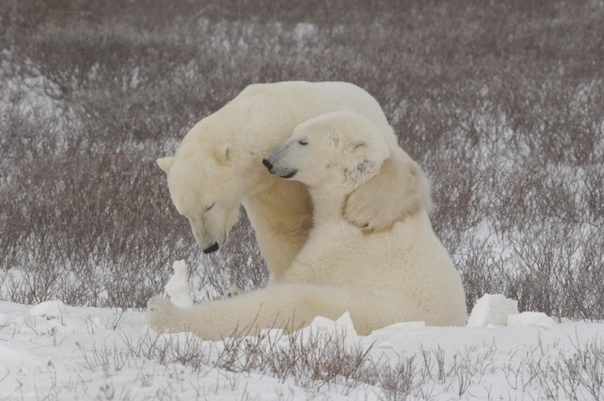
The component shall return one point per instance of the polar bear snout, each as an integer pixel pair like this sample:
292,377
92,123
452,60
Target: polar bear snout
283,173
209,240
268,165
212,248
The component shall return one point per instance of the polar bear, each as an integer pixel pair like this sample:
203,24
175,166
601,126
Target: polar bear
218,168
394,275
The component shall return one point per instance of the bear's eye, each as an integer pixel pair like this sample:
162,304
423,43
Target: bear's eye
210,207
303,142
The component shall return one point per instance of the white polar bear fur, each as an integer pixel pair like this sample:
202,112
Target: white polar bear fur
394,275
407,265
218,168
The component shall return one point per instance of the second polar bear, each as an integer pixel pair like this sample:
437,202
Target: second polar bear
334,154
380,278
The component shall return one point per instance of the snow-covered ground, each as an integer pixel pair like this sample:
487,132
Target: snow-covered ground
56,352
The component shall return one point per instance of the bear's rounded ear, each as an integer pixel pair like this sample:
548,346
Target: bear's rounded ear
374,149
165,163
223,153
358,145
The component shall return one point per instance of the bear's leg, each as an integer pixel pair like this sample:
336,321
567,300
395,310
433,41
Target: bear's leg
284,306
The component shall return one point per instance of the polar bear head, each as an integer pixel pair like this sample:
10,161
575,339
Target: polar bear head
334,150
205,188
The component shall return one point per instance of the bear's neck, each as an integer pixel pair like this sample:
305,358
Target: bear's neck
327,204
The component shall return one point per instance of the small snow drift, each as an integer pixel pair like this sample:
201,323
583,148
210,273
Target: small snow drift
49,310
531,319
497,310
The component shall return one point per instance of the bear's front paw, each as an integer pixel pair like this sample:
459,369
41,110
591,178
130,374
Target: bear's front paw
373,206
161,315
394,194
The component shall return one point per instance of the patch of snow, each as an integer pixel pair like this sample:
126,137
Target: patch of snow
497,310
49,310
492,310
323,327
530,319
88,354
177,287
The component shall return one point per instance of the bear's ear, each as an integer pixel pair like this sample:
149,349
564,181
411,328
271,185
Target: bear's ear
223,153
165,163
357,145
369,148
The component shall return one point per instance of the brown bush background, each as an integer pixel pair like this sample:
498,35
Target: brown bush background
502,102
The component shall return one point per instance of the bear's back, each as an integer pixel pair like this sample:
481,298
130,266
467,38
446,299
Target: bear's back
309,99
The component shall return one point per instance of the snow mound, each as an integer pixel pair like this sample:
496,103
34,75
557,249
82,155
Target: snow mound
388,336
497,310
531,319
492,309
321,330
322,326
177,287
49,309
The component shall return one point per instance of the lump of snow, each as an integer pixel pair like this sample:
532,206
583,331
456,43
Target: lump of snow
492,309
325,328
178,285
389,336
400,328
49,309
344,323
531,319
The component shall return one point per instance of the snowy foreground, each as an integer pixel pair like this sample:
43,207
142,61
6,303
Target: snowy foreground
56,352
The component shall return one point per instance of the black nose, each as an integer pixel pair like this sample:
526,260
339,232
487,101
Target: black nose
268,164
212,248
